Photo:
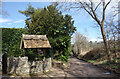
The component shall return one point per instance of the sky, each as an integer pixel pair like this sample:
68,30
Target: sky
84,23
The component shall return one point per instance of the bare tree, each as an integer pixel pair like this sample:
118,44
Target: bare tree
112,29
112,32
80,43
91,8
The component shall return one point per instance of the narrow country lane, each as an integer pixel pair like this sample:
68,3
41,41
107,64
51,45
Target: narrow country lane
80,68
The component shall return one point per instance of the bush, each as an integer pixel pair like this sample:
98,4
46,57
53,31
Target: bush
64,56
31,53
40,57
94,54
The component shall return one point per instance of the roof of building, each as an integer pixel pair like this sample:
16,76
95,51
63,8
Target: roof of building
34,41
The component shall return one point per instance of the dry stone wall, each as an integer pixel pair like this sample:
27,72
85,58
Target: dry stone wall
21,66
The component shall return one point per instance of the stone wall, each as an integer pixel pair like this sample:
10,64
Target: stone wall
21,66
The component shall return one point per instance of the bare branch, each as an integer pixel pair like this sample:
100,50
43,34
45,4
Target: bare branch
103,18
107,4
97,6
98,21
72,7
87,5
89,12
104,8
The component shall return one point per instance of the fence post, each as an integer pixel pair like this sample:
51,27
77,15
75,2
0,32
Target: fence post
4,63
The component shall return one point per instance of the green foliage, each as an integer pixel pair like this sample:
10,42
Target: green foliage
92,61
113,64
30,11
64,56
31,53
11,39
49,21
40,57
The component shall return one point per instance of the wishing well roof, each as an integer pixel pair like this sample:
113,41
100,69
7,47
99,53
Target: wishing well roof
34,41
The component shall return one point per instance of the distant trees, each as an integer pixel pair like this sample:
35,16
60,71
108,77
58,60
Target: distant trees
58,28
80,44
112,33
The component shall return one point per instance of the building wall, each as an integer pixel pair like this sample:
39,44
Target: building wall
21,66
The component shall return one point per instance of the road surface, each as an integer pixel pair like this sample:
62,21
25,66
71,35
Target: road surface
79,68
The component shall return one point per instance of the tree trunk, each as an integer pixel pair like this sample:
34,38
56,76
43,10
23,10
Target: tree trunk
81,50
108,39
115,49
78,51
105,41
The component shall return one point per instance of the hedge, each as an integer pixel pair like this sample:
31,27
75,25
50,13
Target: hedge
11,39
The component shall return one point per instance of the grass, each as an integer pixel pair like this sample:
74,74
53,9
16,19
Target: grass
92,61
114,64
102,61
18,75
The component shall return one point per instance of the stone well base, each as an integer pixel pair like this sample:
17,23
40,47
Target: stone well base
21,66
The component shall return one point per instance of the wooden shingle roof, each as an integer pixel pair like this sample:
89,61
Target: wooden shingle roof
34,41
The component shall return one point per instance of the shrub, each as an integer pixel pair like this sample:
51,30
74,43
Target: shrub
94,54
